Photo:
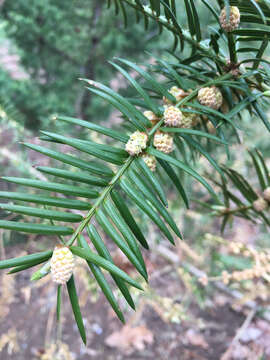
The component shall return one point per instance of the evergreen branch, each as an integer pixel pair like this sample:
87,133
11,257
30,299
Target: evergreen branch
100,200
184,34
232,49
173,134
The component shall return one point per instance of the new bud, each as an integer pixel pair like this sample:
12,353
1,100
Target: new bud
266,194
232,22
211,97
177,92
136,143
150,161
152,117
172,116
260,204
163,142
62,264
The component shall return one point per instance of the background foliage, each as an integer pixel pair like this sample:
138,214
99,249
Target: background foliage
58,43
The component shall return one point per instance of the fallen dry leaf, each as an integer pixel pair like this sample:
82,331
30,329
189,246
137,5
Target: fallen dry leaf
8,289
250,334
129,338
196,339
246,352
26,292
10,340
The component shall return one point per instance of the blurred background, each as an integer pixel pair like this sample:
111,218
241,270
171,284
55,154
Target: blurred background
45,47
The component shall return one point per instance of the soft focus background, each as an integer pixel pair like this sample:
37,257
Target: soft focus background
45,47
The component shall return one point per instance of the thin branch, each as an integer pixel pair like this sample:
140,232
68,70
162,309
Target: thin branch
241,330
2,246
99,201
185,34
174,259
232,49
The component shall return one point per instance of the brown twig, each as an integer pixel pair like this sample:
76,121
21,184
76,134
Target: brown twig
240,331
49,326
174,259
2,246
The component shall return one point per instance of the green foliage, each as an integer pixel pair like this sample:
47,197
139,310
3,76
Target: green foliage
242,206
58,43
111,177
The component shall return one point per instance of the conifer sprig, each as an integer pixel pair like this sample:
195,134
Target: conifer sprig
196,107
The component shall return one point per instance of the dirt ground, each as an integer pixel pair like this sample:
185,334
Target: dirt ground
200,334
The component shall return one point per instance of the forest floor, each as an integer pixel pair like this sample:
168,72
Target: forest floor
168,322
